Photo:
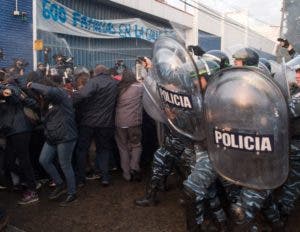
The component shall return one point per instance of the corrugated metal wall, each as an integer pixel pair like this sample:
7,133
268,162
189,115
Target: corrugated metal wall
89,52
16,33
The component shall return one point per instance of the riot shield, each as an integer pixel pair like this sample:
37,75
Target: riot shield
263,68
151,99
179,87
295,104
247,128
291,68
281,79
275,67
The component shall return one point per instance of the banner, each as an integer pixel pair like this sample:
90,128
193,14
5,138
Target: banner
55,17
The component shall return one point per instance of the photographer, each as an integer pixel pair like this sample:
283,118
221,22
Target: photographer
16,73
63,65
41,70
16,127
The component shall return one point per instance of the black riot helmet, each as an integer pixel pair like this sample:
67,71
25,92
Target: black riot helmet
217,56
294,64
266,63
207,68
247,55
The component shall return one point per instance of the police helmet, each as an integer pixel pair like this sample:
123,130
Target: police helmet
207,68
247,55
294,64
217,56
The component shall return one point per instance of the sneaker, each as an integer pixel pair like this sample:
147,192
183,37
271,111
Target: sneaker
29,197
57,192
115,168
127,176
38,185
52,183
70,198
105,181
4,219
80,184
135,175
18,188
93,176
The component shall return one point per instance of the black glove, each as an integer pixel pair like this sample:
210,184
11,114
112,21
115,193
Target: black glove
198,51
285,42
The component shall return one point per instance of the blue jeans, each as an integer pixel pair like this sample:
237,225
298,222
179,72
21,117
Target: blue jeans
64,152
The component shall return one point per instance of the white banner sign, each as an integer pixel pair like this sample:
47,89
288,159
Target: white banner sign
55,17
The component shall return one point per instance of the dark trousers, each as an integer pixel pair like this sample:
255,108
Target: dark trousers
2,166
103,140
17,147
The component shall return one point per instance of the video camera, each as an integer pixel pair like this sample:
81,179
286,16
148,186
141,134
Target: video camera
63,61
120,66
140,60
64,66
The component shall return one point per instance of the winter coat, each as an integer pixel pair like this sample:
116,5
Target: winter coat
99,95
59,117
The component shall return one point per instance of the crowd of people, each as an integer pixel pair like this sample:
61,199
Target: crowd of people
96,106
49,123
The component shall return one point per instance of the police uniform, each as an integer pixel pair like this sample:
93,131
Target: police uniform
291,188
200,186
290,191
245,202
164,160
179,151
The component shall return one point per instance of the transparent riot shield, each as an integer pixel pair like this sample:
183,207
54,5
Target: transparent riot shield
179,88
247,128
281,78
151,99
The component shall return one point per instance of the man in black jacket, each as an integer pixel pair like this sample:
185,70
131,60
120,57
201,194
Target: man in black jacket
61,134
97,121
16,127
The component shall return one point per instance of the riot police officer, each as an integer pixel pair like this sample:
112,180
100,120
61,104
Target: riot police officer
245,57
249,200
180,95
291,188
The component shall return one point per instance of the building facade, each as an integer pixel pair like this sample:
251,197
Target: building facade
16,31
104,31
